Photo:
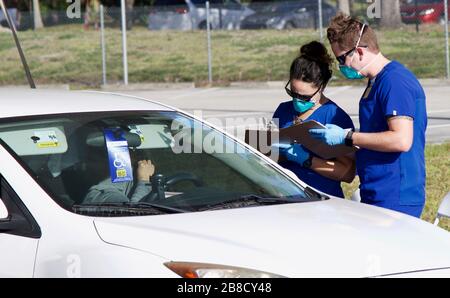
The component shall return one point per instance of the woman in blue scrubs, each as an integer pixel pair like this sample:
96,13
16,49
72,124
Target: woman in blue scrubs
309,75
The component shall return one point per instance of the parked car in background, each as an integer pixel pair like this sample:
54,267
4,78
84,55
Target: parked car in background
13,13
288,15
191,14
428,12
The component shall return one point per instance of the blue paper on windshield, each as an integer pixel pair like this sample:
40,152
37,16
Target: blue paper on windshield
119,156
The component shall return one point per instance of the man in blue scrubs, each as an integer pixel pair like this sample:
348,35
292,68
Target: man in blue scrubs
392,116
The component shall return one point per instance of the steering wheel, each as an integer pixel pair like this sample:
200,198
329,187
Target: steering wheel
160,184
174,179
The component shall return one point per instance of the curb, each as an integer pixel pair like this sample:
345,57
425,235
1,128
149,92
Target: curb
269,84
435,82
243,85
192,85
51,86
146,86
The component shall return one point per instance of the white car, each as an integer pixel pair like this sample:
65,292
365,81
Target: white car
66,156
191,14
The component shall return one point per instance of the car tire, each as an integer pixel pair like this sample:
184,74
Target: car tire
202,26
289,26
442,20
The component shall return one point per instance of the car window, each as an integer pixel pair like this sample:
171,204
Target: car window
196,2
24,223
179,6
3,210
97,160
169,2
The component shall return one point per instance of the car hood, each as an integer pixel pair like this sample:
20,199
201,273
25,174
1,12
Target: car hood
327,238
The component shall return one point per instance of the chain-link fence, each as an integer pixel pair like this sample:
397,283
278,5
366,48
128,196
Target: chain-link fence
168,40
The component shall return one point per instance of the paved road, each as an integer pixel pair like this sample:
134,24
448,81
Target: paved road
233,102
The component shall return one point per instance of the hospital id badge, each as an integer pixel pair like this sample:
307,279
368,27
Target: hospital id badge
118,155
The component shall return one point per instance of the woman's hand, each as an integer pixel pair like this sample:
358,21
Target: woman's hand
295,152
145,170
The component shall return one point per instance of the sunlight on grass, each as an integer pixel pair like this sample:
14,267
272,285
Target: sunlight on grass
70,55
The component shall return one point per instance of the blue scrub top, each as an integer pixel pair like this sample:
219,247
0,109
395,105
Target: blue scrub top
329,113
393,180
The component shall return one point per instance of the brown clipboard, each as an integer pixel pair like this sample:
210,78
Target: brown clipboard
298,133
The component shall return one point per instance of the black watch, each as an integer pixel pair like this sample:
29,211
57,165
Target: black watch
308,163
349,138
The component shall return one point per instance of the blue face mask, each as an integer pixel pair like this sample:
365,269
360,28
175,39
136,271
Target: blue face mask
301,103
350,73
302,106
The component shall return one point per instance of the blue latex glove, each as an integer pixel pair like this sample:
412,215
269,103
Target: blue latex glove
332,134
295,152
280,147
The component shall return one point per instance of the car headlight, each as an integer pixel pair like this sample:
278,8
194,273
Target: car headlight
201,270
426,12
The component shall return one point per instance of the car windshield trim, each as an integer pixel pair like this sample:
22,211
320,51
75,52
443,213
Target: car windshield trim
253,199
139,205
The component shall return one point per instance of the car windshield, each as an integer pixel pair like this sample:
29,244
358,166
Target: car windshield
286,7
279,7
140,163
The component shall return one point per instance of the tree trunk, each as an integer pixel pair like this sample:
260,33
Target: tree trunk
129,10
344,6
390,13
37,15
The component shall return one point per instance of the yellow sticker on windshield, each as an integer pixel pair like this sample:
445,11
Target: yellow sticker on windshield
45,139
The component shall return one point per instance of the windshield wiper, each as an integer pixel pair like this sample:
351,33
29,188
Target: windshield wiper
251,200
164,208
314,195
142,205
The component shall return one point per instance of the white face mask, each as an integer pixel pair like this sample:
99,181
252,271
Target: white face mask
348,71
368,64
356,47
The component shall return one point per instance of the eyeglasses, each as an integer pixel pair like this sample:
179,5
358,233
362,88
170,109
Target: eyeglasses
300,96
341,59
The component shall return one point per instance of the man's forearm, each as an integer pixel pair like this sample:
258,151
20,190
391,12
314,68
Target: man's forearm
387,141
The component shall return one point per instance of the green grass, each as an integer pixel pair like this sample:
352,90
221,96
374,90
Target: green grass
70,55
437,159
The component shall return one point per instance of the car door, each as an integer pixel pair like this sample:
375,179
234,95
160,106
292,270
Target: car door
232,14
224,14
19,235
170,15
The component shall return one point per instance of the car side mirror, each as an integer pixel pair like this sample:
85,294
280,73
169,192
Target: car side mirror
356,196
444,209
4,214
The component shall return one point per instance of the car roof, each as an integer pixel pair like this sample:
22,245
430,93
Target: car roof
33,102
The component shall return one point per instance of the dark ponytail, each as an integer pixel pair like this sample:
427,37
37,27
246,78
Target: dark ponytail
313,65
